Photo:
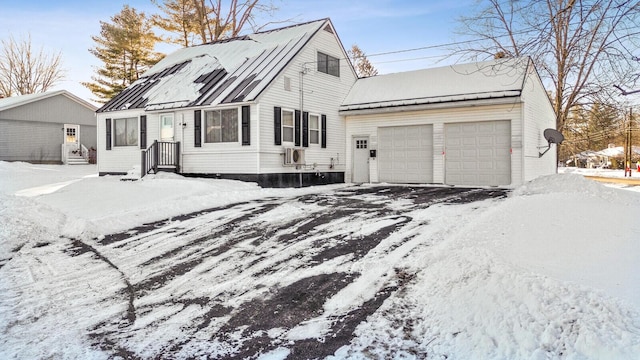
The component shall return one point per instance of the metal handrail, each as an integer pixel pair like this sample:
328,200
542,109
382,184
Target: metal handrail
161,154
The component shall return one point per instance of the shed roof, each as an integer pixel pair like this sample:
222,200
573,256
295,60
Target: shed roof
15,101
475,81
228,71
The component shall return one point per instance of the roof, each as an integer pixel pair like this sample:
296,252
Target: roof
476,81
228,71
15,101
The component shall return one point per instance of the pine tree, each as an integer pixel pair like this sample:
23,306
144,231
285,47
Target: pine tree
361,63
126,47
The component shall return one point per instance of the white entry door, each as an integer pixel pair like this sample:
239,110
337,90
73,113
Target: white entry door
360,168
167,127
71,137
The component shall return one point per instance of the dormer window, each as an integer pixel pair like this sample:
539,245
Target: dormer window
328,64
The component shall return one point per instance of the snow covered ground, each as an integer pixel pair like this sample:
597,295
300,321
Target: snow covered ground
551,271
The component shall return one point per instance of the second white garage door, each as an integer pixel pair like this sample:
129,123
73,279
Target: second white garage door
405,154
478,153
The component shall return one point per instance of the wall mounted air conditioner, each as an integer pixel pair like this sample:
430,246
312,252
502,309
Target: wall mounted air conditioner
294,156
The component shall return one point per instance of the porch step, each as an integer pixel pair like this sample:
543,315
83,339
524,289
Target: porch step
77,161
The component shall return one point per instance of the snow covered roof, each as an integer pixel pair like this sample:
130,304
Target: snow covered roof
483,80
617,151
15,101
227,71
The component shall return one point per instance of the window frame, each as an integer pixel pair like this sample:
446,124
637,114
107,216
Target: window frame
127,121
318,130
205,126
328,64
292,126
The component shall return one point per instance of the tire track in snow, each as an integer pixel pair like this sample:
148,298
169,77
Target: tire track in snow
80,248
222,248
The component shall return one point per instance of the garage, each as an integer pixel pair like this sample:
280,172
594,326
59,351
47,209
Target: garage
479,124
405,154
478,153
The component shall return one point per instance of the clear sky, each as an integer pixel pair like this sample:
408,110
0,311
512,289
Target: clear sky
377,26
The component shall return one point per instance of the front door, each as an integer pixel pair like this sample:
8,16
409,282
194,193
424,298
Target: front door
166,127
360,160
71,137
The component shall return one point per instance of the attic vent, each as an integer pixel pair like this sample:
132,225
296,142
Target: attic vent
287,83
328,29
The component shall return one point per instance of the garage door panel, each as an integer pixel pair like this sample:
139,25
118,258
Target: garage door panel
408,154
478,153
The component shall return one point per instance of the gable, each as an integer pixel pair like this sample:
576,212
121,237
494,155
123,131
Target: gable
53,107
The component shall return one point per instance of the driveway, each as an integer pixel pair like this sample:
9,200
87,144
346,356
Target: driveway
292,276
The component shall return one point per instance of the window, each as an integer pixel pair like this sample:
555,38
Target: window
126,132
71,135
287,126
221,125
328,64
361,144
314,129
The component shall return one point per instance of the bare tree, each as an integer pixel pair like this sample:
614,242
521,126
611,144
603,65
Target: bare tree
26,71
209,20
363,66
579,46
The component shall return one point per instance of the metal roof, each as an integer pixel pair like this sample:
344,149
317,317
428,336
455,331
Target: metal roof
228,71
476,81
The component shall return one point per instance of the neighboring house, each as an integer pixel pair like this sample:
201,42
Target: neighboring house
471,124
285,108
51,127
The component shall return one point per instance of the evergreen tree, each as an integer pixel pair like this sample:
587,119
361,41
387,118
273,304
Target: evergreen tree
360,62
126,47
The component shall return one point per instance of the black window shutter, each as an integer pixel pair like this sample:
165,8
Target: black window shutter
324,131
143,131
297,128
277,125
108,131
197,128
305,129
246,136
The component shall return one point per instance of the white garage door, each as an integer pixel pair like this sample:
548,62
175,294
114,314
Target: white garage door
405,154
478,153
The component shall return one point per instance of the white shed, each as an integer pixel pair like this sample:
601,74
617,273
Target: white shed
478,124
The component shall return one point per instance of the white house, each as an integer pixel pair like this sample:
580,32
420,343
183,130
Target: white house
285,108
51,127
261,107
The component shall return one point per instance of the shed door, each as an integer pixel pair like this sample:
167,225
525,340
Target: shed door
478,153
71,137
405,154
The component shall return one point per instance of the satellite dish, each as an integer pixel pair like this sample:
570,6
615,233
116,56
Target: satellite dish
553,136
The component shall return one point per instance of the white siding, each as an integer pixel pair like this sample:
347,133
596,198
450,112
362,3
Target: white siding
119,159
367,125
538,115
322,94
218,158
